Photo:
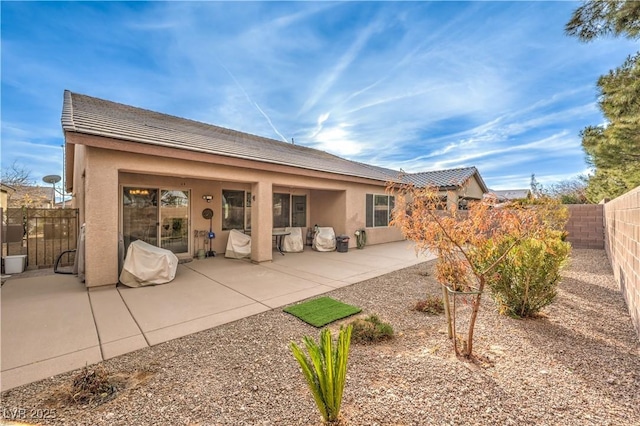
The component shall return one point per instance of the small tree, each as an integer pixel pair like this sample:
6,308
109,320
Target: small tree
570,191
16,175
469,245
23,192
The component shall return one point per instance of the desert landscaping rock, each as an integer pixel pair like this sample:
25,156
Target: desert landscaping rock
579,364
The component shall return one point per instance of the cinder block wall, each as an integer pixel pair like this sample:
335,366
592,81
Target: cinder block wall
585,226
622,243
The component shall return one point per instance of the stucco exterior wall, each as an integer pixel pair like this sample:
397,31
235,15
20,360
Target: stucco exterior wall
328,209
331,202
3,199
77,180
101,211
622,243
471,190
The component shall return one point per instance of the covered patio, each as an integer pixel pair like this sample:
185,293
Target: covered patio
53,324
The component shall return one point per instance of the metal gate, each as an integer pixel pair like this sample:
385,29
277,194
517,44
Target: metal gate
41,234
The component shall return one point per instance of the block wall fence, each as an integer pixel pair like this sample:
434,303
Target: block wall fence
585,226
622,243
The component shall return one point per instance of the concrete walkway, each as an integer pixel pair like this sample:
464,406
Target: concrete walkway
51,324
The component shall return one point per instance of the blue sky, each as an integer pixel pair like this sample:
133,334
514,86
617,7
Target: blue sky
412,85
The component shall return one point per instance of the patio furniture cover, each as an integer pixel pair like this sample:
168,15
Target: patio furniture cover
238,245
325,239
293,243
147,265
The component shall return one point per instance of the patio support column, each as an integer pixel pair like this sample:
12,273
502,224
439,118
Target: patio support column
101,214
261,221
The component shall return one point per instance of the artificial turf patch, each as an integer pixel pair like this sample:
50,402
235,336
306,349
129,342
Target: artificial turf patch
321,311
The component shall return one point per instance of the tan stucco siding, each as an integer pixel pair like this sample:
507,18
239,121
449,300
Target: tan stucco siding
3,199
356,217
101,215
472,189
328,209
261,221
77,196
330,202
153,151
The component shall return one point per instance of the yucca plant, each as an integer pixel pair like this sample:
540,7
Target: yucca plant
325,369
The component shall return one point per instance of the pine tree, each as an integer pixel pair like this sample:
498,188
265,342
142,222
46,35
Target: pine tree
612,149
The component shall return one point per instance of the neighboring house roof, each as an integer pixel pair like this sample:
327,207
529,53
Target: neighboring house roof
451,178
511,194
93,116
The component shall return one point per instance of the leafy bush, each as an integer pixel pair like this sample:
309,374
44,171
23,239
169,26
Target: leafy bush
325,369
526,280
371,329
431,305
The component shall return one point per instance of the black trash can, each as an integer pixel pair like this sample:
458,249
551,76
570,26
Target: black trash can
342,243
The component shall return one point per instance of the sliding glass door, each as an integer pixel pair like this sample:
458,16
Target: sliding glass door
159,217
140,215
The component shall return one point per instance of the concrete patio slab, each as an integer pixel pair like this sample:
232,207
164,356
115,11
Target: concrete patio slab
117,330
46,322
52,324
190,296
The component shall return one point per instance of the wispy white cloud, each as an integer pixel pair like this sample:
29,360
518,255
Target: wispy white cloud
328,80
254,103
417,85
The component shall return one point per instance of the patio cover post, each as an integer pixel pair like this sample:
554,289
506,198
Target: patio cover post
261,221
101,211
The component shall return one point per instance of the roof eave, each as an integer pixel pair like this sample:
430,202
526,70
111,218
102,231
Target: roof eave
229,155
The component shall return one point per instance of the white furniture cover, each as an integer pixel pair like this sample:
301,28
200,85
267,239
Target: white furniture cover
238,245
148,265
293,242
325,239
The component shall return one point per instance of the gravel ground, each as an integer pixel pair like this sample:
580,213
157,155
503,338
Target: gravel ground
579,364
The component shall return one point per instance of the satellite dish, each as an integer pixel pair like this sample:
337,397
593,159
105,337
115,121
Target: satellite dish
52,179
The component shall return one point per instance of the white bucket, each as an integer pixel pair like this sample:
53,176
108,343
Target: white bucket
15,264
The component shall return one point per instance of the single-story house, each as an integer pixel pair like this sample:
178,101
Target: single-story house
139,174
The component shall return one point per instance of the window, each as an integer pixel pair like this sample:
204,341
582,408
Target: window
289,210
299,212
236,210
378,210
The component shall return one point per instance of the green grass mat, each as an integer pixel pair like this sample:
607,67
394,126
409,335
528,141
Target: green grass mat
321,311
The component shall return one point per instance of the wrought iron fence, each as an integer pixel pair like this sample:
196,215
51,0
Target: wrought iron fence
41,234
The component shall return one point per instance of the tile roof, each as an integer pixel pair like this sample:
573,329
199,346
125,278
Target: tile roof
88,115
94,116
450,178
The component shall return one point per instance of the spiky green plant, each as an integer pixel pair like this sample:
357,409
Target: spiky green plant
325,369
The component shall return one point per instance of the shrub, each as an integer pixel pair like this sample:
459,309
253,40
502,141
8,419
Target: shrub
431,305
526,280
370,330
91,386
325,369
